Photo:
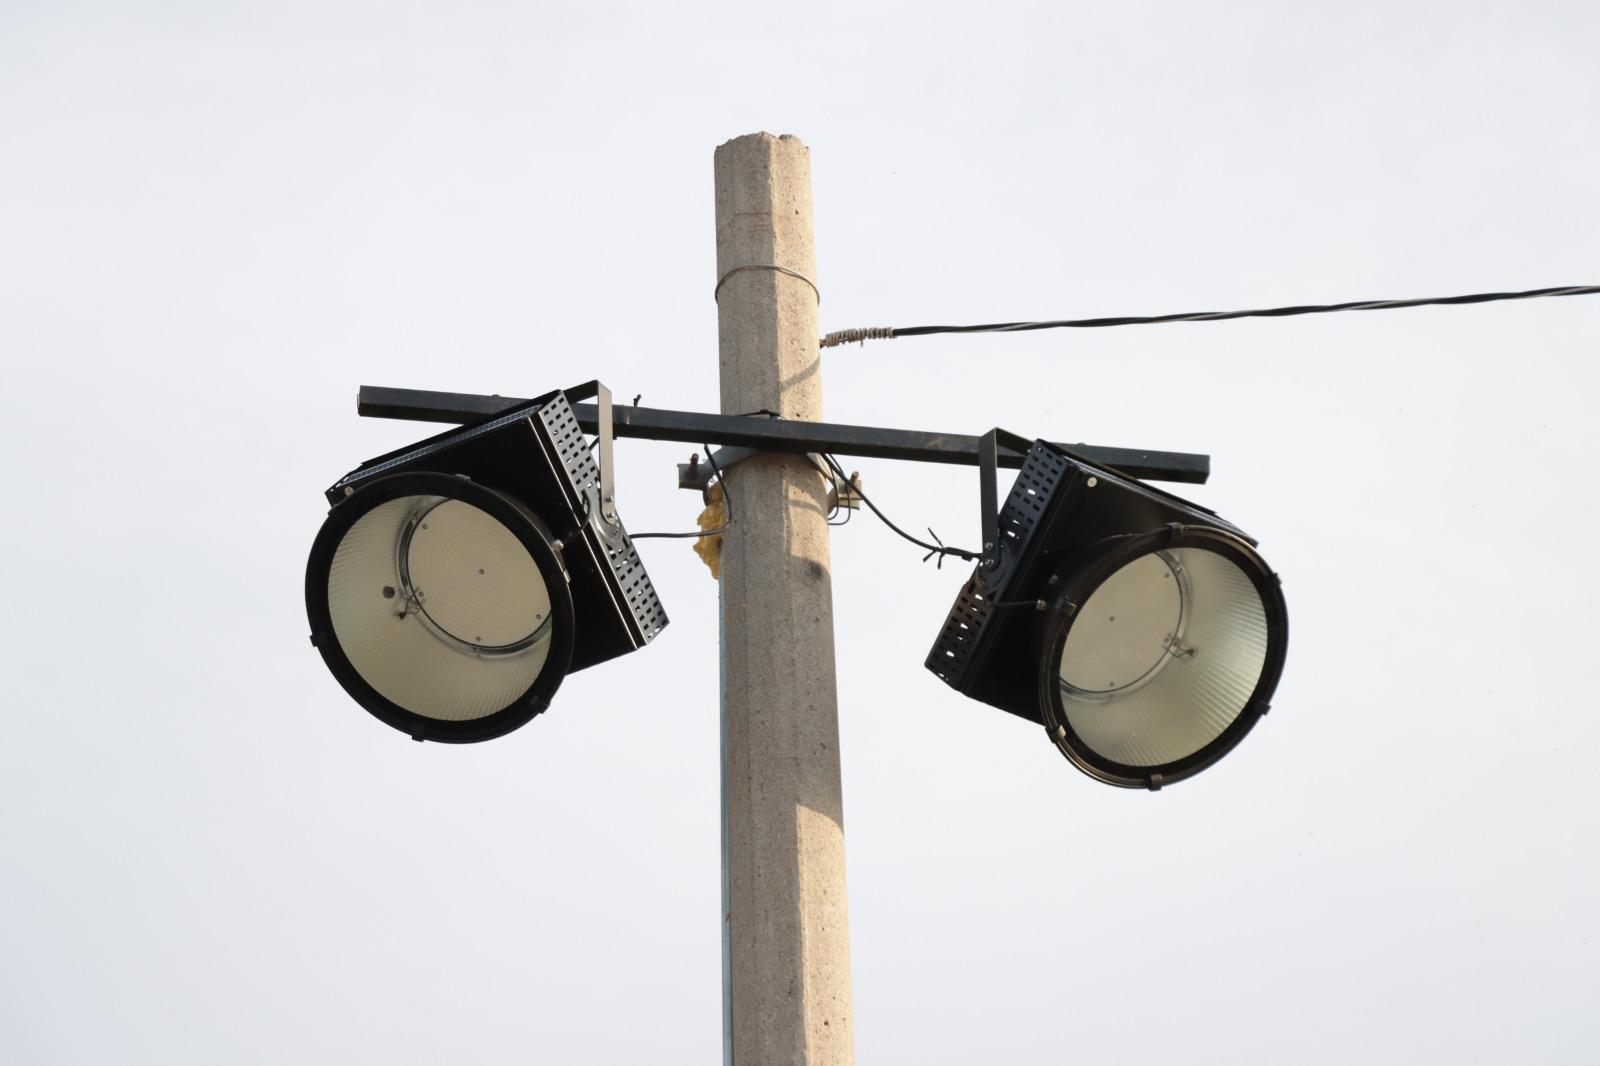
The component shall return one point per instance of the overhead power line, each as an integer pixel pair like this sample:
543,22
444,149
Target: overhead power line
847,336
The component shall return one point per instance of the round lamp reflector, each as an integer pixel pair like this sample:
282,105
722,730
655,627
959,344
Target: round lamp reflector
441,606
1165,653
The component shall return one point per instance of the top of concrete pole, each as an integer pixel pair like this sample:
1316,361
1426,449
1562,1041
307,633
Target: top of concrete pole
763,211
760,135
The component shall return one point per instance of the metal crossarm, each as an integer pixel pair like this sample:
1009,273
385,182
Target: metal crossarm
776,434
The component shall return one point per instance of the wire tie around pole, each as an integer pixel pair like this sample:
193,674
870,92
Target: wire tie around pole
767,266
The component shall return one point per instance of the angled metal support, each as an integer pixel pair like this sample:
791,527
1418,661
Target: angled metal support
989,497
697,475
603,428
989,490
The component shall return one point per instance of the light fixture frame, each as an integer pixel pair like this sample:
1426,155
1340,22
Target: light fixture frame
537,460
1041,553
530,532
1076,580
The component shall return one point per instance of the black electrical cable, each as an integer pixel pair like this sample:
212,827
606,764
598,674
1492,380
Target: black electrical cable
940,549
838,499
727,503
886,332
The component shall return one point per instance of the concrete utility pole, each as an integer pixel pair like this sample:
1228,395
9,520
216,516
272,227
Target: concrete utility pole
786,944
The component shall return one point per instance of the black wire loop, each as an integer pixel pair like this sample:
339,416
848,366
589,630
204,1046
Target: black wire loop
727,504
939,549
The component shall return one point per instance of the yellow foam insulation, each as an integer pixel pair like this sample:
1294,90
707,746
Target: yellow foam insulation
710,548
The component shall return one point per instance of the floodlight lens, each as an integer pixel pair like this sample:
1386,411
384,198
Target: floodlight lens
1164,655
441,605
439,608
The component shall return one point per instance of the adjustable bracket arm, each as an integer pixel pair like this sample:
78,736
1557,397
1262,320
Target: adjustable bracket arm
604,428
989,491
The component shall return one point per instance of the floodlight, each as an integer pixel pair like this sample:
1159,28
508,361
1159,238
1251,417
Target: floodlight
1142,631
457,581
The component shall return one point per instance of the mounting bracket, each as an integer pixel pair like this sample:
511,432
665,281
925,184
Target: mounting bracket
697,474
604,430
989,490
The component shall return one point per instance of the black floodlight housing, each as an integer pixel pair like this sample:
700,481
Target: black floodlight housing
456,581
1142,631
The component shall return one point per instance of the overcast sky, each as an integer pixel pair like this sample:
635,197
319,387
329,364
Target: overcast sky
217,220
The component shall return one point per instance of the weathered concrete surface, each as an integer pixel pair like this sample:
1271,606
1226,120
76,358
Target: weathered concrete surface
787,934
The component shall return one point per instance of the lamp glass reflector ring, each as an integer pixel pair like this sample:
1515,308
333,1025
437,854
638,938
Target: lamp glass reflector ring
441,606
508,600
1163,652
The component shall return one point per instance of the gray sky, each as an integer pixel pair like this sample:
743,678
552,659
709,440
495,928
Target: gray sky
217,220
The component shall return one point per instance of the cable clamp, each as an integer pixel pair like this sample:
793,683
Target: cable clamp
856,336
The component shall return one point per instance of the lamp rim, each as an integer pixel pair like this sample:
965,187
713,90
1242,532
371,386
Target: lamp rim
1078,578
523,524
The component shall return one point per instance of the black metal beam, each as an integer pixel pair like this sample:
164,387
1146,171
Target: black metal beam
772,434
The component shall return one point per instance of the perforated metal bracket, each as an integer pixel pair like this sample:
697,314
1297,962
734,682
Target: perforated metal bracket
989,491
605,430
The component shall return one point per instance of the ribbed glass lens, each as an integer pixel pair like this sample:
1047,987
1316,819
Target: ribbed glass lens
439,607
1163,657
